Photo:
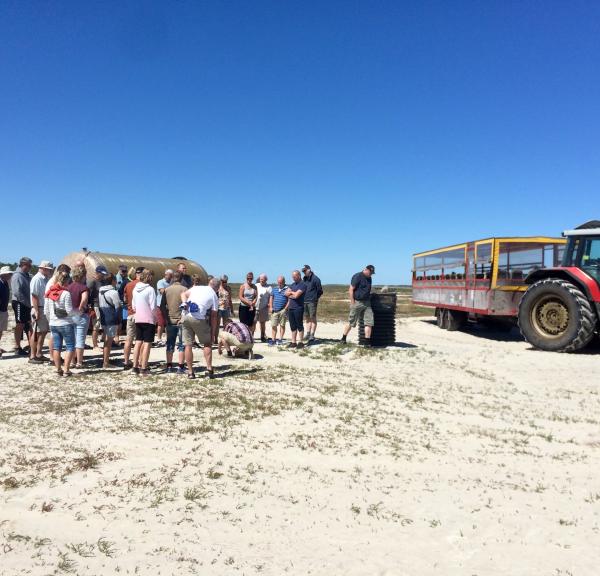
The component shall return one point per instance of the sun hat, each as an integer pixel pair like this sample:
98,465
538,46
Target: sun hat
6,270
46,264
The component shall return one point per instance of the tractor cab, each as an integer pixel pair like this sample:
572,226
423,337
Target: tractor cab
583,249
560,310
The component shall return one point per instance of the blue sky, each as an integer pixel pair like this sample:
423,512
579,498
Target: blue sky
265,135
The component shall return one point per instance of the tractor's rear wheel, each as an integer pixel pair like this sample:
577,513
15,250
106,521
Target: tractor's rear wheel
555,315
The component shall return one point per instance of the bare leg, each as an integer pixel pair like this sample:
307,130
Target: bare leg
368,331
189,358
127,350
41,338
263,329
294,332
145,354
136,353
57,360
281,332
18,335
208,357
68,359
106,351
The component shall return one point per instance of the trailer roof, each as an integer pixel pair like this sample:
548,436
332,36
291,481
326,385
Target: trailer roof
532,239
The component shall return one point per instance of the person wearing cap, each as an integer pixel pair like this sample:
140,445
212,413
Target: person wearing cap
130,330
21,303
360,303
5,276
94,284
37,289
314,291
161,286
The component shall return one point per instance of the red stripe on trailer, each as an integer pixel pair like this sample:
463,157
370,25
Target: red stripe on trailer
452,307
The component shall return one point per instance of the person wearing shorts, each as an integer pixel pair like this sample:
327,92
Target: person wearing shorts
109,303
130,324
144,309
81,319
200,321
21,303
262,306
37,289
58,307
360,303
278,308
314,291
5,275
295,293
237,340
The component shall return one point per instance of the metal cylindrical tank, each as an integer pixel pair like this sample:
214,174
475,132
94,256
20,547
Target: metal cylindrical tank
92,260
384,311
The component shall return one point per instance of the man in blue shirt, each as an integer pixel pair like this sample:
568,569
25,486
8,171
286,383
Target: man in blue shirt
360,303
278,309
314,291
296,293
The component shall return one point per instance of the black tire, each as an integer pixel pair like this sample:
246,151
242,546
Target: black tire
456,320
556,316
441,315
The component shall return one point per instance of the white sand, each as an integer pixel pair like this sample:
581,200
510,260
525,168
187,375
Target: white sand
457,454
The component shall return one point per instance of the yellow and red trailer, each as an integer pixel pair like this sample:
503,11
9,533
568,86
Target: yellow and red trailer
483,279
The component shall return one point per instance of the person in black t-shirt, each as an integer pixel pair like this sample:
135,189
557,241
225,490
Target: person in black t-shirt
360,303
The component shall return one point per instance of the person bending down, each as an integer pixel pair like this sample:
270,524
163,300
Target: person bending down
237,340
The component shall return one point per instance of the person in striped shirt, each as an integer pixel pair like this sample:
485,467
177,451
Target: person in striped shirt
278,305
237,340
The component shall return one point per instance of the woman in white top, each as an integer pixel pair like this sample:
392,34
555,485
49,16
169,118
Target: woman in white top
58,308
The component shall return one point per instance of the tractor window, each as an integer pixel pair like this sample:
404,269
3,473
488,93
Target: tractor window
590,257
517,260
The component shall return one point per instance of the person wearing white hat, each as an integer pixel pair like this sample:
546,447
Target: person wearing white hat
5,274
37,289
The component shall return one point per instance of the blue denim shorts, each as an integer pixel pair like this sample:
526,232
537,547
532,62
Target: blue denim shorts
63,334
81,322
174,334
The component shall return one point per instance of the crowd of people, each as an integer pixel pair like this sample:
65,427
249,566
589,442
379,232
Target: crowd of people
132,309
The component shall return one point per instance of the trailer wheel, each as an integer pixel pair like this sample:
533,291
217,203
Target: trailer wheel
555,315
456,320
441,316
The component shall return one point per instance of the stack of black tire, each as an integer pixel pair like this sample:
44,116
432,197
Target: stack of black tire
384,311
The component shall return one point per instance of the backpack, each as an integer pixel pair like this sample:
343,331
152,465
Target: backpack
109,312
59,311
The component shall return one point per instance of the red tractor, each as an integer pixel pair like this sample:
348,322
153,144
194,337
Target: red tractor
560,309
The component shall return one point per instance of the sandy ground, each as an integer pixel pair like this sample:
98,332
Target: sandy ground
450,453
